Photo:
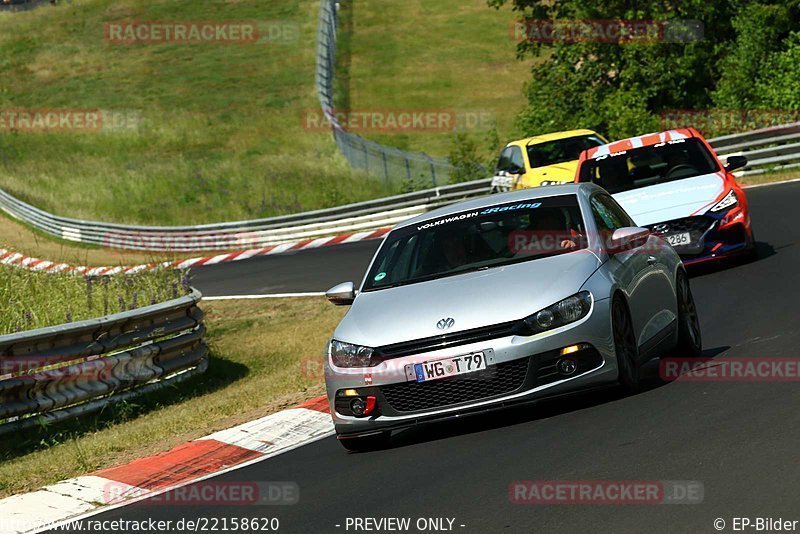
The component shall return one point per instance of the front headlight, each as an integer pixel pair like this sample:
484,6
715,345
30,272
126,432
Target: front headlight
729,201
561,313
349,355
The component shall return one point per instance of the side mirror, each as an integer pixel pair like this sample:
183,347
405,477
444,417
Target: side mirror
625,239
735,162
515,170
342,294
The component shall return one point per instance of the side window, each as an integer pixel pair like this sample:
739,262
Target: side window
601,218
613,207
608,215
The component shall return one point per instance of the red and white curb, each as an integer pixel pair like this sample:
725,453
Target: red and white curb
147,477
9,257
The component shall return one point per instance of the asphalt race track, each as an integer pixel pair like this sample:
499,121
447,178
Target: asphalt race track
741,440
312,270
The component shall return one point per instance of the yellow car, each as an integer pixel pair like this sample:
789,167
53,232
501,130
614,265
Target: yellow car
547,159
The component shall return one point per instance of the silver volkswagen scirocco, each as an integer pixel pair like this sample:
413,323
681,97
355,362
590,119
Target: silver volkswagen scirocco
501,300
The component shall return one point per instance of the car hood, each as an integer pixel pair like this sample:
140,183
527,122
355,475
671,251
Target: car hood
559,172
672,200
475,299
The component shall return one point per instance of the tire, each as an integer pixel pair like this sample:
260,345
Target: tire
366,443
690,339
625,345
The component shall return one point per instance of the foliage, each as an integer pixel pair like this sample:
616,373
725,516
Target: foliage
467,164
625,88
781,89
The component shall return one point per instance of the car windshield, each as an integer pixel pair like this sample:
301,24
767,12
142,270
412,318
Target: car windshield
478,239
650,165
561,150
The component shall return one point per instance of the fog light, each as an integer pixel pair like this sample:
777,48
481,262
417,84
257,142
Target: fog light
357,406
350,393
363,406
567,366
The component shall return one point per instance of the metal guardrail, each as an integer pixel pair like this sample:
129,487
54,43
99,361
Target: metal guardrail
352,218
774,148
52,374
767,149
389,163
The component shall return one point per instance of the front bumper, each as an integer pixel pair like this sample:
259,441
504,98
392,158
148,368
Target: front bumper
712,238
521,369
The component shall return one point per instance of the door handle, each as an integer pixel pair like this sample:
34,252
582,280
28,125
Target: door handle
651,260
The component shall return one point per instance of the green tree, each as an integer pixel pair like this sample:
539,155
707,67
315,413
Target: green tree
467,163
760,32
623,88
779,87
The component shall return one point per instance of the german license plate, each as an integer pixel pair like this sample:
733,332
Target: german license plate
677,240
447,367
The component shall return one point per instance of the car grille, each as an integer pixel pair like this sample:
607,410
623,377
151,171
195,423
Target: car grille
455,339
501,379
697,226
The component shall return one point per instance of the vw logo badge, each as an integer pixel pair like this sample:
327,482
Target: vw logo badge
446,323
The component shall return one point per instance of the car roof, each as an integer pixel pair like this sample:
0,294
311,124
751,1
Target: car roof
640,141
536,139
488,201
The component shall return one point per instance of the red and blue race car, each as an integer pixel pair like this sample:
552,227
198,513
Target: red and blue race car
673,183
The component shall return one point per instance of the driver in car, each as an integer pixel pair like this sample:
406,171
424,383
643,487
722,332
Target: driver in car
550,225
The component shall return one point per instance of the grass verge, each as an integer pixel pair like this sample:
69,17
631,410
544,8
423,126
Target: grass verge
258,351
30,299
770,177
445,55
211,132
